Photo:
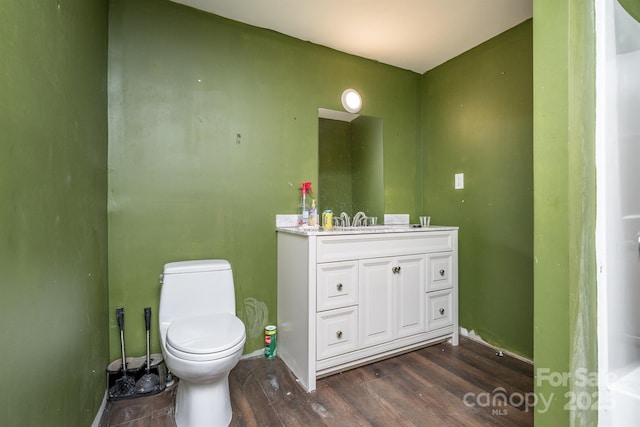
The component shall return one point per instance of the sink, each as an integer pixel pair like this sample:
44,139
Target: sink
374,228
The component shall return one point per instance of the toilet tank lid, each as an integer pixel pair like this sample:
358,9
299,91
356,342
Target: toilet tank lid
196,266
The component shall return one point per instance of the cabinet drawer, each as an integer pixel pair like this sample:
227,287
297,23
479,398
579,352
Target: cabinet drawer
439,309
359,246
439,271
337,285
337,332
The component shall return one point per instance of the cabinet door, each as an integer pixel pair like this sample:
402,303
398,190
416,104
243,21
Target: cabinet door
376,301
410,284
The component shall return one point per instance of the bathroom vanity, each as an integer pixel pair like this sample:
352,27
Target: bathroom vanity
350,297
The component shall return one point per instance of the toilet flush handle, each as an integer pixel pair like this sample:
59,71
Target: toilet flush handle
161,278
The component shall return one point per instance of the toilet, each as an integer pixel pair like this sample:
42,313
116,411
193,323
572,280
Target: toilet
201,338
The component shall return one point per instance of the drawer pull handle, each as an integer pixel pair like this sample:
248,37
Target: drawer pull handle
442,273
339,334
339,286
441,311
395,270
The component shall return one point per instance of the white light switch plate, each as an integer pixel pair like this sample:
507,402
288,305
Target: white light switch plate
459,183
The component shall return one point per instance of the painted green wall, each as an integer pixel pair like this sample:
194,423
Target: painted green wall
565,337
213,125
477,120
53,222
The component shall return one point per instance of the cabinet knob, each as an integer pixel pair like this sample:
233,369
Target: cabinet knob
442,273
441,311
339,334
395,270
339,286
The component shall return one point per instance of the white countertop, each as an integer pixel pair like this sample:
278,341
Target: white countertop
379,229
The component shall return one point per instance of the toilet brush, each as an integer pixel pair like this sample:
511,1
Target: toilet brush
124,385
149,382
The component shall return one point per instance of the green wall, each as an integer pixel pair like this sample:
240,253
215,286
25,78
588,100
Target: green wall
53,225
565,337
213,126
477,120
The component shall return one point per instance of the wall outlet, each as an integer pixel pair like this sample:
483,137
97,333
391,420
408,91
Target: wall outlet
459,181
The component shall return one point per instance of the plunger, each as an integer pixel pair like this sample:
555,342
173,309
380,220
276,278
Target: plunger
124,385
149,382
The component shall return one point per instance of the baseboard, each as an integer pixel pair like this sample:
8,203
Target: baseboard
477,338
253,355
96,420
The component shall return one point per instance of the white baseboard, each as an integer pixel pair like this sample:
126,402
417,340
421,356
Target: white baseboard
96,420
255,354
477,338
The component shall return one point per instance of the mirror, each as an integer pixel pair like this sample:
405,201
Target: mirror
350,163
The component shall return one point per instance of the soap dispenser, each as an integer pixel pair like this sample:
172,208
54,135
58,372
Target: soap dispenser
313,214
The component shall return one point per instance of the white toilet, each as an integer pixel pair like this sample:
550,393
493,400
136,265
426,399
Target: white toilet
201,338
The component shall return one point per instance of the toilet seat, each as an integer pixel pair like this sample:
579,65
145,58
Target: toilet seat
208,337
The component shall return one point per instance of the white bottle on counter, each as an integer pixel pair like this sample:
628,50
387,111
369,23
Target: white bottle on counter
313,214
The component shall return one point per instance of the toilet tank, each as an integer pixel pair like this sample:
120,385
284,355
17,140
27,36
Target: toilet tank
194,288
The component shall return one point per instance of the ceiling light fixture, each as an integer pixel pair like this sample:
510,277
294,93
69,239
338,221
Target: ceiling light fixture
351,100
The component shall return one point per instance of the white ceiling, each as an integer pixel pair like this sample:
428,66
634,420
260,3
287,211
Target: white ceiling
416,35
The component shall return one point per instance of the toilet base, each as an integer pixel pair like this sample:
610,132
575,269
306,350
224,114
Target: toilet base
203,405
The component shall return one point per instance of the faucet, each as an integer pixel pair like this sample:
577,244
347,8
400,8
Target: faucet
346,222
359,219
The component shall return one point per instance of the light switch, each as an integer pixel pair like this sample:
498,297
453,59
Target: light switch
459,182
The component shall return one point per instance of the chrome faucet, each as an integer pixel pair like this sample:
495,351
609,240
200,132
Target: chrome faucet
346,221
360,219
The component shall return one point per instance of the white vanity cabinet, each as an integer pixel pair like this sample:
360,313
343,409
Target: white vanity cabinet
346,299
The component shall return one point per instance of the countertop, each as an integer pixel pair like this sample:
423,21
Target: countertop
376,229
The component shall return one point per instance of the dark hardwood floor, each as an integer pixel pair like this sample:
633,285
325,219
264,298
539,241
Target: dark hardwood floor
441,385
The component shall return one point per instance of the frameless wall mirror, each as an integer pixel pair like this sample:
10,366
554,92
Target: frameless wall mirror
350,163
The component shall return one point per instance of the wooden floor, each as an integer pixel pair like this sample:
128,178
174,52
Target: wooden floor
441,385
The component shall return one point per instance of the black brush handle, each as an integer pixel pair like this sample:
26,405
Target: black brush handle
147,318
120,316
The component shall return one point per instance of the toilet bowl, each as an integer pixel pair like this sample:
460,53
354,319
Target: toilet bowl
201,339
